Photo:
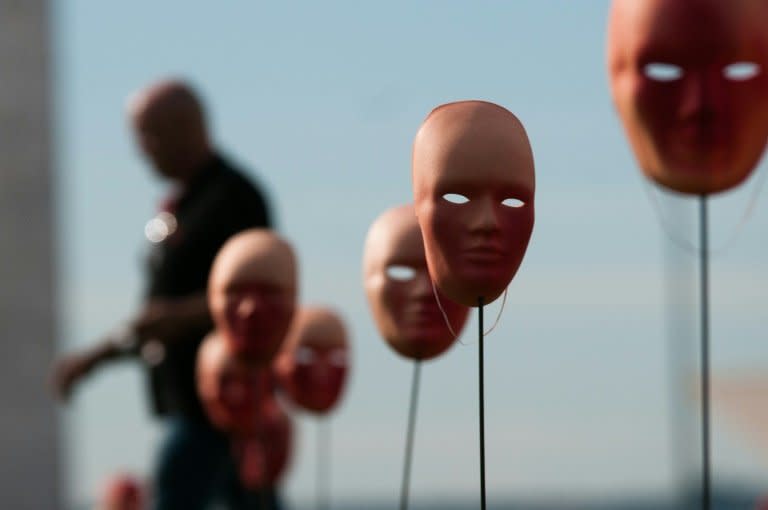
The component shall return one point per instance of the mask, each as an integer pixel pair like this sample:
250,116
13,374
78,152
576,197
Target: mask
252,293
233,390
123,492
473,185
400,292
313,366
263,456
689,81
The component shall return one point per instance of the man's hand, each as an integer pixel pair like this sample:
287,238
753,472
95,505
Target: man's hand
161,320
69,370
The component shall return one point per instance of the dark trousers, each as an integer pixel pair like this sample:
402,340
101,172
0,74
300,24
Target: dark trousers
194,469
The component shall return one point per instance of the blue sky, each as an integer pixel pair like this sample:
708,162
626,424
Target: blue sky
320,101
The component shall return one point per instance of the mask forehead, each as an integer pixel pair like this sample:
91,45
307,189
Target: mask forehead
688,78
257,256
471,146
474,241
393,239
687,32
317,328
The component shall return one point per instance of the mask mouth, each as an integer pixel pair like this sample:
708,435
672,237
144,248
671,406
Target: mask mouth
701,132
697,141
484,254
251,331
423,315
321,383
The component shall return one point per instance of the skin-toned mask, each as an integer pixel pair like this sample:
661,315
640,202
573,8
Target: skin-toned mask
233,389
252,292
264,455
313,365
473,185
400,292
689,81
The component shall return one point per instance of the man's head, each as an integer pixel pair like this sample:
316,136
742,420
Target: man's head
399,288
473,186
169,124
313,365
252,292
689,81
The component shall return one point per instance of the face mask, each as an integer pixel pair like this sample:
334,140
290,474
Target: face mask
473,182
400,292
689,81
313,366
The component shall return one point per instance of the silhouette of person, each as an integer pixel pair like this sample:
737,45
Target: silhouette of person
209,201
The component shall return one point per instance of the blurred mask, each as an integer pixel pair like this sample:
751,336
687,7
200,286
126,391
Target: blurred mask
263,456
252,292
400,291
313,366
689,81
233,389
123,492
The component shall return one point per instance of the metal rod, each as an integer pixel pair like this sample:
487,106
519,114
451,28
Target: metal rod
706,496
481,404
323,481
410,434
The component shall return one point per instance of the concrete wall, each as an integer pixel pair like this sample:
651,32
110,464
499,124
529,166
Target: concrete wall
29,454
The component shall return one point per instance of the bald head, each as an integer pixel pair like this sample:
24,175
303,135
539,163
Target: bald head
169,123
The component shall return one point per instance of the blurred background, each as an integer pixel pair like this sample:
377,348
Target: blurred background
591,374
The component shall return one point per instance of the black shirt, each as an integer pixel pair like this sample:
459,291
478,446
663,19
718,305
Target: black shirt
218,203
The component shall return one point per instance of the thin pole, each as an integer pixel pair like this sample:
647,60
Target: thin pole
481,404
706,497
322,484
409,438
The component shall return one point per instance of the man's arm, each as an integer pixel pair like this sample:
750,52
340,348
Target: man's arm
171,320
162,320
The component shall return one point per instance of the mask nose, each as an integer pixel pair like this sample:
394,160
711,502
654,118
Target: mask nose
248,306
422,285
700,96
235,393
484,218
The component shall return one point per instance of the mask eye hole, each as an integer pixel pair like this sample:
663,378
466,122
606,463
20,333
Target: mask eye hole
455,198
304,356
338,358
741,71
663,72
401,273
514,203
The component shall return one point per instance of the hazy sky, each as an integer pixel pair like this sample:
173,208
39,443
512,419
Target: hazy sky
320,101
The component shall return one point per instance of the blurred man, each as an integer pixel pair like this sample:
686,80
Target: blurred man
209,201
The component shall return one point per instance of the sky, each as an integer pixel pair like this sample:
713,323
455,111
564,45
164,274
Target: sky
588,371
